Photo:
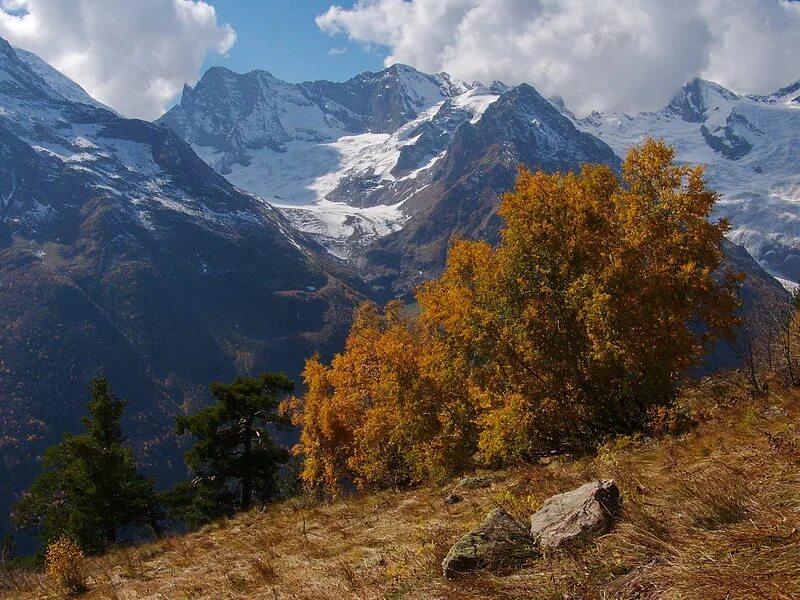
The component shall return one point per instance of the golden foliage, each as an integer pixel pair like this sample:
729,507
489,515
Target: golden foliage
387,412
65,565
603,291
600,295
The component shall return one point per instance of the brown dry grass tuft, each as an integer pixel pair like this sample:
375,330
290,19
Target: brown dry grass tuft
711,514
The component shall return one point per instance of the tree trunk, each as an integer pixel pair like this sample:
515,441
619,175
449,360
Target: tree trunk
247,476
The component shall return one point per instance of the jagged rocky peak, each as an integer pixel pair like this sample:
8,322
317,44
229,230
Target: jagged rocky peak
559,103
265,111
383,101
526,110
232,112
528,92
521,127
419,88
789,94
698,98
230,92
498,87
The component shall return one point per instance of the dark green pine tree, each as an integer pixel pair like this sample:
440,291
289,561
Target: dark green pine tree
234,461
90,486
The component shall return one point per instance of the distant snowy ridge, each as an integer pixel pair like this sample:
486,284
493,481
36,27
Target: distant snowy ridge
750,146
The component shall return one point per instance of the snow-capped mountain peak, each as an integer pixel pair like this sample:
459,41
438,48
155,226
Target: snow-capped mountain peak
698,99
330,153
749,146
18,81
789,94
59,82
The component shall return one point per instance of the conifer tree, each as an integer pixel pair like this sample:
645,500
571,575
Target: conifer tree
90,486
234,460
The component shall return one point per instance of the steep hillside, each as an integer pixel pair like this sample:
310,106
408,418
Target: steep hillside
121,251
711,514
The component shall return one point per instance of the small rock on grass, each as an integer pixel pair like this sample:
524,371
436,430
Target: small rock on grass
475,482
571,517
499,542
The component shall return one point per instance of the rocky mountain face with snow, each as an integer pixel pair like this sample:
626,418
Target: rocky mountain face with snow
338,159
749,145
460,193
383,169
121,251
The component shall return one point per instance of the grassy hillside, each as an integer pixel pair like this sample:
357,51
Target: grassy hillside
713,513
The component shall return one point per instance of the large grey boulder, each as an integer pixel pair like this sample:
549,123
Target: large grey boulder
573,516
499,542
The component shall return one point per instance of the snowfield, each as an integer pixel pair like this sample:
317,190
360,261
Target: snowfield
750,147
299,156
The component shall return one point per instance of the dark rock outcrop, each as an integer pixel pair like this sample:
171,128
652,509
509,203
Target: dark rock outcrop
499,542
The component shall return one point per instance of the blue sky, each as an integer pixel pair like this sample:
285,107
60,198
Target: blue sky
614,55
280,36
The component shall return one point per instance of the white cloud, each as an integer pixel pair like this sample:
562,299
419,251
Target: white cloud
133,55
626,55
337,51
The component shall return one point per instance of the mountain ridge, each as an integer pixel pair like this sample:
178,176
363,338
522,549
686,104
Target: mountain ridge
747,144
351,191
122,252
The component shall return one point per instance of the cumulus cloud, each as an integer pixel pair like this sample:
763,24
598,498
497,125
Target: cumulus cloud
626,55
133,55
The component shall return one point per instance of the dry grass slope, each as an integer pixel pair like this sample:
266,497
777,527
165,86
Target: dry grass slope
712,514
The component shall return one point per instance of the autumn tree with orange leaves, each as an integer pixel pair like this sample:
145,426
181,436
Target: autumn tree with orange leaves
603,292
600,296
390,410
